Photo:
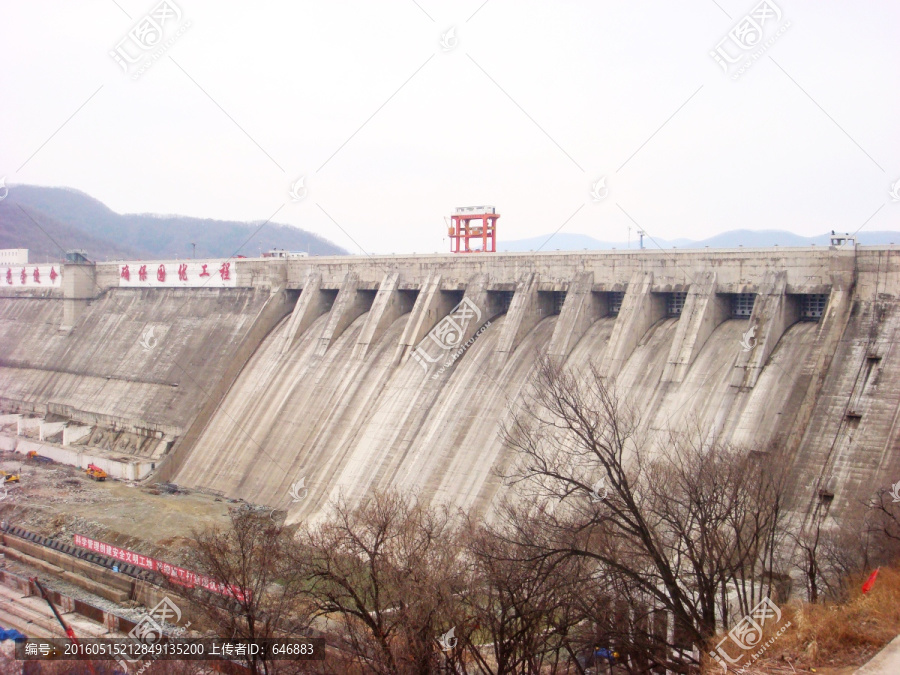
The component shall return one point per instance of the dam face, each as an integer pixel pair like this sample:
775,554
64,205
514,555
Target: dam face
296,381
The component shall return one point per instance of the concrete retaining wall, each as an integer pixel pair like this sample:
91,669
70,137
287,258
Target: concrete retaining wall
123,470
73,432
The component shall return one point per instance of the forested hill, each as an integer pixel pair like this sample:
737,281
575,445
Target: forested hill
50,220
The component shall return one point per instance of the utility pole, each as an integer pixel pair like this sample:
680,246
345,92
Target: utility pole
193,250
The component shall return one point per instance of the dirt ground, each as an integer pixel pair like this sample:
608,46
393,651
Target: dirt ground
60,501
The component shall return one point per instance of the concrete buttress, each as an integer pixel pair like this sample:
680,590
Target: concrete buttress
312,304
431,306
580,309
348,306
525,311
640,310
703,311
772,315
389,305
78,289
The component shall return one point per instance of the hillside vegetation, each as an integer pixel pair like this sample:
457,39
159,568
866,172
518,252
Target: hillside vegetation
49,221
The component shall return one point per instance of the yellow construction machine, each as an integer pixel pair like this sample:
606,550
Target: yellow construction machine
95,472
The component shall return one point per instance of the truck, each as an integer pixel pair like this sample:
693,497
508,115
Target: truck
95,472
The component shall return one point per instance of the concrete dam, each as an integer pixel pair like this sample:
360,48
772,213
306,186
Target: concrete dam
336,376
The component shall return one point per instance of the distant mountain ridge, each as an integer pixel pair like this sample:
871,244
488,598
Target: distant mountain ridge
51,220
730,239
57,219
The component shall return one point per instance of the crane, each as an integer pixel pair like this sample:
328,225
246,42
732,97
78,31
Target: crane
66,627
95,472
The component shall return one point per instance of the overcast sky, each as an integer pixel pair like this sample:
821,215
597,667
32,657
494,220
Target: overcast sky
395,112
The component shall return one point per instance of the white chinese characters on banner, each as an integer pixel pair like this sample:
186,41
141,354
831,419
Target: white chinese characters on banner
30,276
175,574
169,274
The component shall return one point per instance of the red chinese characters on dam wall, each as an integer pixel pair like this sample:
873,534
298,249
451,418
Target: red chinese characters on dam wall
31,276
210,273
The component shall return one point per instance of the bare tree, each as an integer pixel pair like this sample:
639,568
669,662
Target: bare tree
882,523
807,544
689,527
831,552
524,609
262,591
389,572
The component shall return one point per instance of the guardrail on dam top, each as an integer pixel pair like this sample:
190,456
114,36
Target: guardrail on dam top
807,270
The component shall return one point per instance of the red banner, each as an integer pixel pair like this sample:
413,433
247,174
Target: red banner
173,573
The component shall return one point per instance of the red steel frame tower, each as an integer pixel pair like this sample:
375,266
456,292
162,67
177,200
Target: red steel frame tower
464,230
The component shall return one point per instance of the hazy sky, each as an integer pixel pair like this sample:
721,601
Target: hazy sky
525,105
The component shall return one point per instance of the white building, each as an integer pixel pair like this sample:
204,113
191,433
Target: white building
13,256
475,210
281,253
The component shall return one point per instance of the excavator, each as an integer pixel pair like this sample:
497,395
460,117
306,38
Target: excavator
95,472
9,477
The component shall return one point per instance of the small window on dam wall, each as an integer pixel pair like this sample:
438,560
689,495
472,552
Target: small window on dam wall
812,306
614,300
675,303
742,305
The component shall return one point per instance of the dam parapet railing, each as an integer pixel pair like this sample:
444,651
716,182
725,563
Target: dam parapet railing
807,269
